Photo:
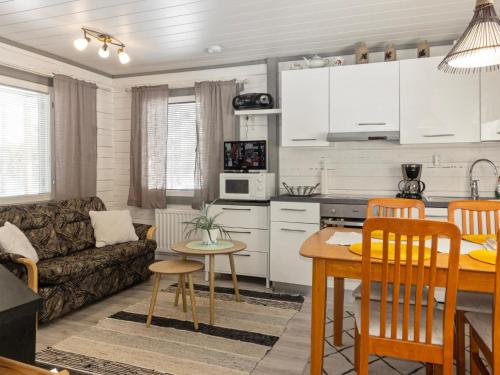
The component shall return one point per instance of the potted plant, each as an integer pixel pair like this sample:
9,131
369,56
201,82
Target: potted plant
205,223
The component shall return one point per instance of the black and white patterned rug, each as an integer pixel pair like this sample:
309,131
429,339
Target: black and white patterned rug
340,360
121,344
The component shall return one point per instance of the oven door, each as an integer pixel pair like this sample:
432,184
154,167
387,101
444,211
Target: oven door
237,187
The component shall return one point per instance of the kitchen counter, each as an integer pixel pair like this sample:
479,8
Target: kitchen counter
435,202
234,202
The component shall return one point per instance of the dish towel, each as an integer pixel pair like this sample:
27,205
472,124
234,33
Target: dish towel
344,238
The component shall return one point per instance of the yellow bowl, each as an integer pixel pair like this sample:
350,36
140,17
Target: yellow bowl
377,251
478,238
485,256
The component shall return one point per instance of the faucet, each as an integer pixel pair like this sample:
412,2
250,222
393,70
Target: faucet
474,189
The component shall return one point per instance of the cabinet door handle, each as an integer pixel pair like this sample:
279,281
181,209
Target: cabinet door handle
498,132
303,139
372,123
241,255
439,135
294,209
236,209
237,232
293,230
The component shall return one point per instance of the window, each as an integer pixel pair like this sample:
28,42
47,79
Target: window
181,145
25,161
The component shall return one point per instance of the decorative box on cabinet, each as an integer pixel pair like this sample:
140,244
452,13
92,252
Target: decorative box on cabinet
305,107
437,107
364,98
249,224
291,224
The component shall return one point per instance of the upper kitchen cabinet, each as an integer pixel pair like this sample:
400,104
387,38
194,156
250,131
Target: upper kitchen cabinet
305,107
364,98
437,107
490,106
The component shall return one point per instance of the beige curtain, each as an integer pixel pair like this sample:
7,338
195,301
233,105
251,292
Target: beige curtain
75,134
148,147
215,124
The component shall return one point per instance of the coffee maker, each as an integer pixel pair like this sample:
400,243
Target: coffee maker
411,186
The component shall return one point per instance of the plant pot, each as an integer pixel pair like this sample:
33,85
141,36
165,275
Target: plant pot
210,236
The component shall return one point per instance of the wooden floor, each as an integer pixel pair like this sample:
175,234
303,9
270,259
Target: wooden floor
288,356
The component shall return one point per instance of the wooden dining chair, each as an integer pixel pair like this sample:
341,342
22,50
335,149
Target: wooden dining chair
472,217
485,331
390,207
395,207
410,332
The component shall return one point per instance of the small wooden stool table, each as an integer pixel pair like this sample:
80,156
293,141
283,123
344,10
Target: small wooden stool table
175,267
234,247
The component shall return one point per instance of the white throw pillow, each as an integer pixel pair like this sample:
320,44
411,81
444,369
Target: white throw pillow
13,240
112,227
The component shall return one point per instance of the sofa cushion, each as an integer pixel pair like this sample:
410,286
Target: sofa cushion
72,223
80,264
37,223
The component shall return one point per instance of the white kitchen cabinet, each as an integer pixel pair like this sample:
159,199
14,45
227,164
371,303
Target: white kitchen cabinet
305,107
490,106
249,224
437,107
364,98
286,263
241,216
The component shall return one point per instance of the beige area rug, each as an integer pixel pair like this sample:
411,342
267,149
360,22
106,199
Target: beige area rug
121,344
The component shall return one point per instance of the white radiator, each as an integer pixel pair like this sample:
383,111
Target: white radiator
170,227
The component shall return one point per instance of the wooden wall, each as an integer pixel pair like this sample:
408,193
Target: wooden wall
253,128
24,60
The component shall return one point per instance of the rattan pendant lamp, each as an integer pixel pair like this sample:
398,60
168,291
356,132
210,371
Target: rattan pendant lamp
479,46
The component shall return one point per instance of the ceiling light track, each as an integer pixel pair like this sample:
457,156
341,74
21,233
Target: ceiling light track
106,40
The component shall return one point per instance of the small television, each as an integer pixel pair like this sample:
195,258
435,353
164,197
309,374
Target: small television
245,155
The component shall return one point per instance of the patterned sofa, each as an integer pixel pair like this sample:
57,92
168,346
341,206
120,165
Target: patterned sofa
72,272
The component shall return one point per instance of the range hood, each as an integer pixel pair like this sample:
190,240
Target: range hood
363,136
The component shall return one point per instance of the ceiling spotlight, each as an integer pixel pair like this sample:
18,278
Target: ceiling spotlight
81,43
106,40
123,56
212,50
104,51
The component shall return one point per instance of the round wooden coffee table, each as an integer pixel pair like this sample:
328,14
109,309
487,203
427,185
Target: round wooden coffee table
237,246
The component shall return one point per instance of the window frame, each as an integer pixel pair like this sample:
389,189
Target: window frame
178,195
39,88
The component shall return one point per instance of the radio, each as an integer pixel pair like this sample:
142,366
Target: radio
253,101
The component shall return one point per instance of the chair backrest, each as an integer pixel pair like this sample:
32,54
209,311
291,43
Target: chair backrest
496,311
417,271
395,207
475,217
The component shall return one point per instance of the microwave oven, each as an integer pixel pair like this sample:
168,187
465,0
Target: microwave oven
247,186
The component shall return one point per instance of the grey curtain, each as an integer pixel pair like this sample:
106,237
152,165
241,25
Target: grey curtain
75,134
215,124
148,147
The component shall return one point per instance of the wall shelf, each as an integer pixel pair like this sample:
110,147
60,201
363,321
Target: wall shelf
258,112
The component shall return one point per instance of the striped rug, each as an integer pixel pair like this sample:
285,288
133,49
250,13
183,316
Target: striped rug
121,344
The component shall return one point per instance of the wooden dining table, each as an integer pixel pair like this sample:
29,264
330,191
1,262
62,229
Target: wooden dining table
338,262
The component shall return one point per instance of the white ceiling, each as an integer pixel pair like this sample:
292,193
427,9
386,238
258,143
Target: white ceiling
172,34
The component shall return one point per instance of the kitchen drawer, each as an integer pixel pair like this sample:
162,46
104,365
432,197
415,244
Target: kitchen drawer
249,263
436,213
294,212
242,216
255,239
287,265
